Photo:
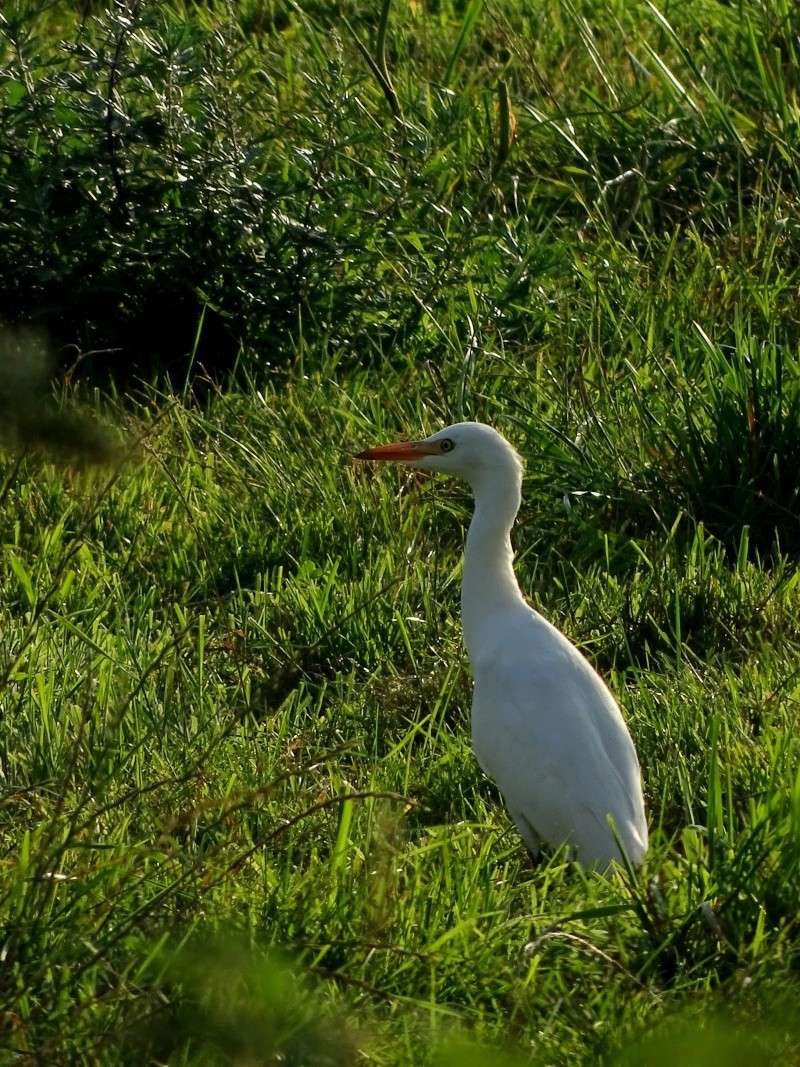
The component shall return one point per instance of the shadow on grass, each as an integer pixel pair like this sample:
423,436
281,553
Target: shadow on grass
30,418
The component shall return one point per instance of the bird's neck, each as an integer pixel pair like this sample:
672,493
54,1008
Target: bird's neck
489,584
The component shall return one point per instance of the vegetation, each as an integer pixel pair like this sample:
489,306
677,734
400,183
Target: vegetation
240,817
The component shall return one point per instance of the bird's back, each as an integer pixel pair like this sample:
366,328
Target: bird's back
549,732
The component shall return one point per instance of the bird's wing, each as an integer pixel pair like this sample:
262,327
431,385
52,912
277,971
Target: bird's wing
546,728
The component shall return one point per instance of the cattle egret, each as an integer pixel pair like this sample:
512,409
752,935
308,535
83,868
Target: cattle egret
544,725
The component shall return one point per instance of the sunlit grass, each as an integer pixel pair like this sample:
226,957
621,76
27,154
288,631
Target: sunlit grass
239,811
236,698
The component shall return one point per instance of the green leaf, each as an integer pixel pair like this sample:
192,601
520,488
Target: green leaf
23,578
471,15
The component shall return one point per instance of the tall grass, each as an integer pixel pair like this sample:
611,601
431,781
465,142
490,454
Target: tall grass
240,816
234,695
167,164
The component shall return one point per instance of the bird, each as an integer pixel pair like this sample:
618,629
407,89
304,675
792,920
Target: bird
545,726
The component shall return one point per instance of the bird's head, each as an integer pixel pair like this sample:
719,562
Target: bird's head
469,450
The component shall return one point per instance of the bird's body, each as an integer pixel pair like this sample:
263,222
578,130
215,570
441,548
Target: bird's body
544,725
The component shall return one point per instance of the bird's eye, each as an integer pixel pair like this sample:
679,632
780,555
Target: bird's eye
446,445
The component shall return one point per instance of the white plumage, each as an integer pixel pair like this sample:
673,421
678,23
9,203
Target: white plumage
544,725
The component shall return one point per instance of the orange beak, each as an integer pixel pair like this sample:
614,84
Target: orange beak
403,450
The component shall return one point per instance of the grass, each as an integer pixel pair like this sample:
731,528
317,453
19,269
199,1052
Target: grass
235,699
239,813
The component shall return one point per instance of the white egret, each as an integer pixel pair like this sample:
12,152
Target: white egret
544,725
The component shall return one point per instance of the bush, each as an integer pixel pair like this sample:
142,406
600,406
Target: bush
132,169
175,188
196,181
